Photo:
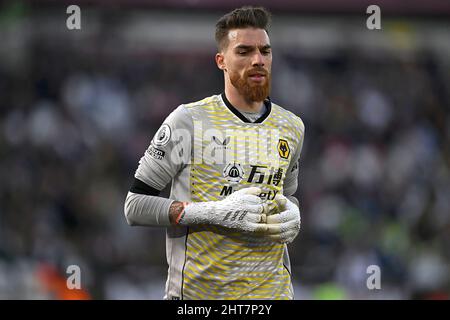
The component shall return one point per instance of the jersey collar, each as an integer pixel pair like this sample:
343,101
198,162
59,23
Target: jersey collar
236,112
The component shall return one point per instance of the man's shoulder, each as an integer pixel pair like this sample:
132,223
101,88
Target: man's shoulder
293,118
186,112
200,104
186,109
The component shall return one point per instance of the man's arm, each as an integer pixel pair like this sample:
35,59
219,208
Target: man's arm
243,210
176,208
147,210
167,154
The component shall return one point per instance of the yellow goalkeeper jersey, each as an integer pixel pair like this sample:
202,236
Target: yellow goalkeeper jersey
208,150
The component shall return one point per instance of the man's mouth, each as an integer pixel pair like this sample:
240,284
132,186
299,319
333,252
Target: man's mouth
257,77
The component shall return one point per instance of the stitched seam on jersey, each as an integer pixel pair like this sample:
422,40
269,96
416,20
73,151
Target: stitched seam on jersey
184,264
287,269
186,108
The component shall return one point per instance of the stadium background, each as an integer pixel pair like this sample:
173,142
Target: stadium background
78,108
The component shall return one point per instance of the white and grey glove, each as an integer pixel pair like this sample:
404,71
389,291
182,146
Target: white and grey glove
243,210
283,227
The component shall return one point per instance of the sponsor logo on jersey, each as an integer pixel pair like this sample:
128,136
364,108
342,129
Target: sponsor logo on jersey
156,153
221,144
233,172
265,174
162,136
271,177
269,195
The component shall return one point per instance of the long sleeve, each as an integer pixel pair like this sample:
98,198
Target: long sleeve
169,151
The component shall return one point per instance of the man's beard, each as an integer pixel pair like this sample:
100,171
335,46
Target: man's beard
251,91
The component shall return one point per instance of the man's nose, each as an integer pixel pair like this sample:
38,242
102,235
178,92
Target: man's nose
258,59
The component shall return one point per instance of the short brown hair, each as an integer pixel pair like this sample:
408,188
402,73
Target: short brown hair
245,17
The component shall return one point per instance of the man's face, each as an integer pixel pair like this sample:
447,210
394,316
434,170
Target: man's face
247,61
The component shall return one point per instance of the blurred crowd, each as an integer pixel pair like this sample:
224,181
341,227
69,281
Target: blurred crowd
374,173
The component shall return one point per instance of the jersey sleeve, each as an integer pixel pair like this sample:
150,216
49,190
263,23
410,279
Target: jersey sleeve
169,150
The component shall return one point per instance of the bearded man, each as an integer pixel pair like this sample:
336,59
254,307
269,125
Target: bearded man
232,161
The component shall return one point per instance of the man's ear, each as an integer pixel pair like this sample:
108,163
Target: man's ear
220,61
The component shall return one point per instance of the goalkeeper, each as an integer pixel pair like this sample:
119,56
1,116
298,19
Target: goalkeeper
232,161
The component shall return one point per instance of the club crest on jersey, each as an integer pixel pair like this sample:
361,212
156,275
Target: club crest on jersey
162,136
233,172
283,149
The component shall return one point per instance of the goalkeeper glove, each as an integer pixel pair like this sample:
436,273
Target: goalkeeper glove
243,210
284,226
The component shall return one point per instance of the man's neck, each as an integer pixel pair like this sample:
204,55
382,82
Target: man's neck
239,102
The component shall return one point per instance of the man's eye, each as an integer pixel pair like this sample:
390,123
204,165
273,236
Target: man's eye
266,52
242,52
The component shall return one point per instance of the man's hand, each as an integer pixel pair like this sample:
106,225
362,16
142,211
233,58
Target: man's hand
243,210
284,226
